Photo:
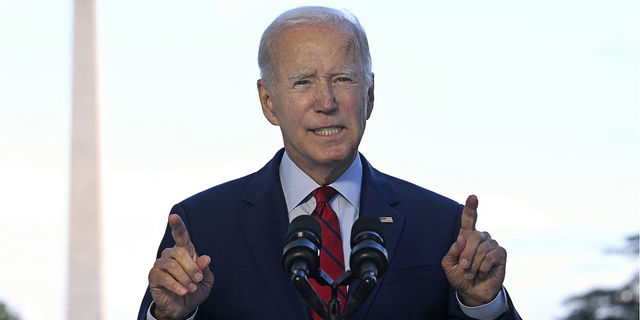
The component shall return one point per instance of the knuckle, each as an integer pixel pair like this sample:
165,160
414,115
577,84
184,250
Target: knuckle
501,254
484,248
167,279
484,268
178,253
181,253
153,274
172,264
158,263
490,258
476,236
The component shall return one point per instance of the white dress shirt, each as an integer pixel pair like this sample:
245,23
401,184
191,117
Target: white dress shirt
297,187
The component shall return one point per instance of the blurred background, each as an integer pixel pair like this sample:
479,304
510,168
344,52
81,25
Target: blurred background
533,106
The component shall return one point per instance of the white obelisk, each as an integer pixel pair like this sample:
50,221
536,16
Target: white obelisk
85,234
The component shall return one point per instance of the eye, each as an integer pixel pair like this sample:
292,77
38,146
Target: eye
343,81
301,82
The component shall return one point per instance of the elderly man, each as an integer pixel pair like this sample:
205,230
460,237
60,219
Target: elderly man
317,86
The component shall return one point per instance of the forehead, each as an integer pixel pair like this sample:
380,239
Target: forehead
306,44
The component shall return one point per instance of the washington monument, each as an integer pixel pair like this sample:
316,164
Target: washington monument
85,229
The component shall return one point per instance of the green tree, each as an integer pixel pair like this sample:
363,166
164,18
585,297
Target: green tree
616,304
5,314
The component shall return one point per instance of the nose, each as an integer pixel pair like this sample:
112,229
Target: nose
325,99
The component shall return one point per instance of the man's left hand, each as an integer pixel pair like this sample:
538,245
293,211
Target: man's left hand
475,265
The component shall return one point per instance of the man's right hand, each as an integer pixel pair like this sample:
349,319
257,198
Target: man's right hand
179,280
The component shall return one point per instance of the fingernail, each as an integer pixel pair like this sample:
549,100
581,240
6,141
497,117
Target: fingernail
464,263
182,291
192,287
198,276
468,275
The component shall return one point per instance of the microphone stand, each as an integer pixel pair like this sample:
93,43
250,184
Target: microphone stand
360,294
301,283
334,311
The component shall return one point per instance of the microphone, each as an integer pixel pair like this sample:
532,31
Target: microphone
301,258
302,252
368,255
369,260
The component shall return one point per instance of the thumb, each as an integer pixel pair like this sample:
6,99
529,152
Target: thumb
203,262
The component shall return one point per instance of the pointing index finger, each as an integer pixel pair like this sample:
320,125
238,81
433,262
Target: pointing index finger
470,213
179,231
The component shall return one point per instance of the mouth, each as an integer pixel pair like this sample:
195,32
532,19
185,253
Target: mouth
327,131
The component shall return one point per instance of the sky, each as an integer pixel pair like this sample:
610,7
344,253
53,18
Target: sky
532,106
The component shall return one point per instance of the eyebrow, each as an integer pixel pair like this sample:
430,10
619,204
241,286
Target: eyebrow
299,76
347,71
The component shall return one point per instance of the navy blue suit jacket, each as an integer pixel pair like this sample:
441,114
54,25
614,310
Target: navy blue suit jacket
242,225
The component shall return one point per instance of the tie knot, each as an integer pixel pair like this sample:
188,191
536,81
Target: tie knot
324,194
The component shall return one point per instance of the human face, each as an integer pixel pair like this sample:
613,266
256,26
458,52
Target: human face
320,100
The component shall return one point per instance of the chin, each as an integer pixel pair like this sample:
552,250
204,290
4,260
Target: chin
336,156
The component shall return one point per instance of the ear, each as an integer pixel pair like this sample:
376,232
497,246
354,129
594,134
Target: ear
267,103
370,97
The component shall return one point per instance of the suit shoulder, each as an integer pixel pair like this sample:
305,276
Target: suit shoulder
222,192
408,191
250,186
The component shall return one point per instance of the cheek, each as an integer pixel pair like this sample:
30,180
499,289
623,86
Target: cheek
298,106
355,102
347,98
289,113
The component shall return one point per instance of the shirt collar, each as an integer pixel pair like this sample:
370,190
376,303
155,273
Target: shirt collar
297,185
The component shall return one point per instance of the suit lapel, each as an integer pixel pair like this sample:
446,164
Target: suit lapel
376,199
265,228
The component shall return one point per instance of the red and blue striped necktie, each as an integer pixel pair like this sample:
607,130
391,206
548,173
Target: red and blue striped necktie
331,255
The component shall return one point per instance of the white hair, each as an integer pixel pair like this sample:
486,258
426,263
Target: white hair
313,16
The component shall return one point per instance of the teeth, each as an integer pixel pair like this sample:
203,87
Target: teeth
327,131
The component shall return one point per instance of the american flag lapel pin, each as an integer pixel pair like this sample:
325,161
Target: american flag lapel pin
386,219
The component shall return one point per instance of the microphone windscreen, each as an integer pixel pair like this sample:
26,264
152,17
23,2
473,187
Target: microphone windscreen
367,223
305,223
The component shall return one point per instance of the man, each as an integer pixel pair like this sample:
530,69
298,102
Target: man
317,86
